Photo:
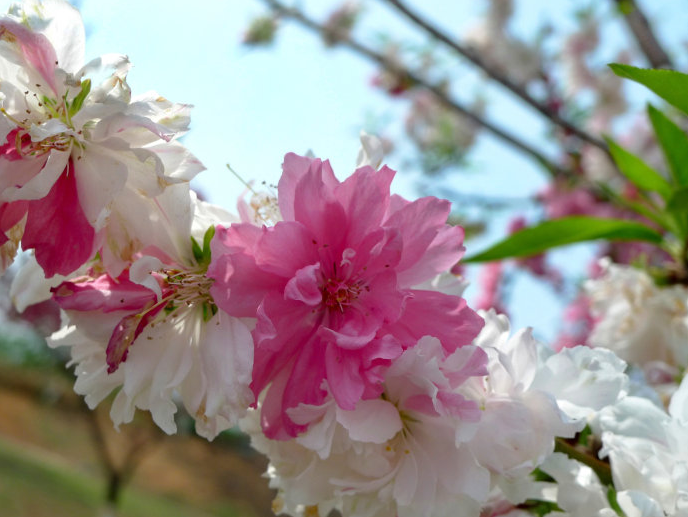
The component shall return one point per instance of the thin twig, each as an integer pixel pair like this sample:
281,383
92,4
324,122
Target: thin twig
415,78
495,74
640,27
601,468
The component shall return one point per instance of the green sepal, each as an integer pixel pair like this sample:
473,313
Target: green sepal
209,310
197,251
78,101
209,234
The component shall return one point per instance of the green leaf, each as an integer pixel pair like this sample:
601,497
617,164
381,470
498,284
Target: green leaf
678,202
197,251
80,98
674,143
567,230
638,172
670,85
658,217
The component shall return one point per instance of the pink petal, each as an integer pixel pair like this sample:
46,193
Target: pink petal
10,215
365,197
316,207
124,335
285,248
343,377
430,246
240,294
103,294
304,287
430,313
36,48
274,421
283,326
293,169
58,230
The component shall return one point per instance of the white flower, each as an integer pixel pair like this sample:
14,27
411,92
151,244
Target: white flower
207,364
76,154
154,332
638,320
532,395
372,151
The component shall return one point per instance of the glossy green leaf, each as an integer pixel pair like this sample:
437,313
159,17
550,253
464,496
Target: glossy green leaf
668,84
638,172
674,142
568,230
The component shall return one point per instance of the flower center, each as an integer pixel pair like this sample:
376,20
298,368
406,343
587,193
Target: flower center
338,294
188,288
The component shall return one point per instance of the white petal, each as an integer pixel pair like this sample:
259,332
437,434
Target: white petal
140,273
99,178
374,421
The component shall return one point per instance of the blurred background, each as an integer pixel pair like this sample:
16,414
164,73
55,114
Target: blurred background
495,105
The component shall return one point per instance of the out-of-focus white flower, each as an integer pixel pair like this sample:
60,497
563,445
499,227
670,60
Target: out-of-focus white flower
372,151
638,320
521,62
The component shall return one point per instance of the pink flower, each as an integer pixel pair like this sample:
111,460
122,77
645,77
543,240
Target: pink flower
332,286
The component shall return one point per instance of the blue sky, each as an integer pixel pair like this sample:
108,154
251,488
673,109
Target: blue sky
253,106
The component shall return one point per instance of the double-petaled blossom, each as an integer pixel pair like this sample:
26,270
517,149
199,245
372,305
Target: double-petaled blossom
450,434
155,333
403,454
75,156
332,285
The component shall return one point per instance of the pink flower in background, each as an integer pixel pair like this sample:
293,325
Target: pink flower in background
536,264
490,283
332,286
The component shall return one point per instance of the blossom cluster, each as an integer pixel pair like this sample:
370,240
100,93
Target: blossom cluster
324,319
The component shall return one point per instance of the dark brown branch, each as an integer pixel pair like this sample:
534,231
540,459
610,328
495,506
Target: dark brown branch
640,27
495,74
415,78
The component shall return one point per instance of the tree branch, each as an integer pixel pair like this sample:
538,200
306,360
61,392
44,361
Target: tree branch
415,78
495,74
640,27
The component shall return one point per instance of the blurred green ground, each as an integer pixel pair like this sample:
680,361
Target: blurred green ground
32,485
50,467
